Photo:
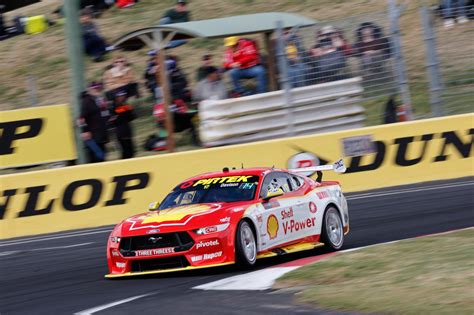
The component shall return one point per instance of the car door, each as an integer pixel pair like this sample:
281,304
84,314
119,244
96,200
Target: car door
279,214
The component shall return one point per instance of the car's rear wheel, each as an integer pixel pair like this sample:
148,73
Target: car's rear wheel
332,234
245,245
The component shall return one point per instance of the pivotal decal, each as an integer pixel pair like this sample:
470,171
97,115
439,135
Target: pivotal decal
272,226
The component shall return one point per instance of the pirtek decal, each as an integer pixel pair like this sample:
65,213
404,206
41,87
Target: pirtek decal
31,207
451,139
11,131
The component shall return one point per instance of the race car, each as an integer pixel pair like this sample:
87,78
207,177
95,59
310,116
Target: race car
231,217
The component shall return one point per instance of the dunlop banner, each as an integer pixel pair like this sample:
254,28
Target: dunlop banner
35,136
105,193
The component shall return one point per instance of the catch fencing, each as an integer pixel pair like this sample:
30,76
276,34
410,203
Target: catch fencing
426,65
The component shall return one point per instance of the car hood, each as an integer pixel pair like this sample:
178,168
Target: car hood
178,218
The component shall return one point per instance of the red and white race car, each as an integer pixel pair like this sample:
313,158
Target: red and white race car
234,216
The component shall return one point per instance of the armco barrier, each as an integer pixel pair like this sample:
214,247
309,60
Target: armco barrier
257,117
35,136
99,194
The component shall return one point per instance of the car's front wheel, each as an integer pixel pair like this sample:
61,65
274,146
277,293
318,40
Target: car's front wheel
245,245
332,234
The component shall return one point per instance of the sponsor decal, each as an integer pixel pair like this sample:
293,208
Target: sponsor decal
305,159
297,225
259,218
153,252
286,214
30,136
153,231
206,256
74,191
272,226
115,253
408,151
202,244
210,229
322,194
221,180
312,207
186,185
246,185
120,264
358,145
225,220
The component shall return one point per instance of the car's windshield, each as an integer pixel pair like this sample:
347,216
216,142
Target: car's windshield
213,189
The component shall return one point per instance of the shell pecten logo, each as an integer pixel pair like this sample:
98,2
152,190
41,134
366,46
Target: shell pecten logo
175,214
272,226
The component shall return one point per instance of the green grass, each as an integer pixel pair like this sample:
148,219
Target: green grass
430,275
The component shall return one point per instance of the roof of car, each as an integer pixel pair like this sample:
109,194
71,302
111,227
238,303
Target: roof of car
235,172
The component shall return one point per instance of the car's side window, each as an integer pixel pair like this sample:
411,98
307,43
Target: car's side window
273,182
297,181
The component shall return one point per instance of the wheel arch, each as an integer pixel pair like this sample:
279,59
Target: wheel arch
254,230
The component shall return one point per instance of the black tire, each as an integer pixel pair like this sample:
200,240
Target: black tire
332,231
245,245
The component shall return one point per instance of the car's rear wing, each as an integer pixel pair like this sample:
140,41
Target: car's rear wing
337,167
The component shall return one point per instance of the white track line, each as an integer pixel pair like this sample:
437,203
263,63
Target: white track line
8,253
256,280
352,197
408,190
110,305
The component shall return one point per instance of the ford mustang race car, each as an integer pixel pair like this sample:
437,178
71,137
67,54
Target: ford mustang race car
233,216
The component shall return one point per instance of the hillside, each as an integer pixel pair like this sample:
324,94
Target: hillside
44,56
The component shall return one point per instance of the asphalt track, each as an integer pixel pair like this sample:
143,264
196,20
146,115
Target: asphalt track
63,273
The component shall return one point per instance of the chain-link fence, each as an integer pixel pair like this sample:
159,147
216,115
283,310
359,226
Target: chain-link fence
450,58
428,62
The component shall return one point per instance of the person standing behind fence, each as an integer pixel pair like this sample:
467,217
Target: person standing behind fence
454,9
178,14
372,47
120,76
121,119
211,87
243,60
93,122
94,44
329,62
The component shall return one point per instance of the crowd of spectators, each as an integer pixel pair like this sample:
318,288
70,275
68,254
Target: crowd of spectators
325,61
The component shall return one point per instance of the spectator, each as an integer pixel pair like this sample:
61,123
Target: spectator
242,59
150,75
178,14
93,122
372,48
94,44
297,70
178,82
329,62
121,118
211,87
120,77
337,38
454,9
202,70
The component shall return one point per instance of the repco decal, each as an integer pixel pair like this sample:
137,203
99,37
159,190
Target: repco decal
122,184
404,146
17,130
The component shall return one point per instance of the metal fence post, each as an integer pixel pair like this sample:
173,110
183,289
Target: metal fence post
284,81
432,64
394,14
75,51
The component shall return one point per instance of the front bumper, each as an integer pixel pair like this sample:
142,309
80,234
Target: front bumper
210,250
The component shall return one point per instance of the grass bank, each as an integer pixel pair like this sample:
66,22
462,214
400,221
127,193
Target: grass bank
430,275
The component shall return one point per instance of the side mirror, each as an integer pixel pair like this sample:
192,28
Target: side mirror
274,194
154,206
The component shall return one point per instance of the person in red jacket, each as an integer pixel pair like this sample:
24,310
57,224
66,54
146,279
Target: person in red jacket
243,60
